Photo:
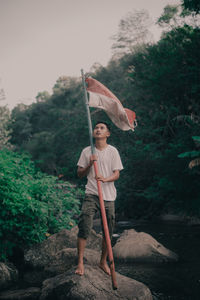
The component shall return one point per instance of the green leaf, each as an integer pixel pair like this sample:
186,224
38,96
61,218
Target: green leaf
196,138
189,154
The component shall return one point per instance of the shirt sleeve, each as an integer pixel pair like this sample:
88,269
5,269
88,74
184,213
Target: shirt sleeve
116,161
83,161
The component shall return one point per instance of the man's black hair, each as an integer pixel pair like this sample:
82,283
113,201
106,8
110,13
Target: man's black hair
105,123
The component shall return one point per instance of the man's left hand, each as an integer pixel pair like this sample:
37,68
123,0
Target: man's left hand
100,178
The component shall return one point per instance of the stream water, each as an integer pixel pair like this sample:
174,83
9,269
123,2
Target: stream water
169,281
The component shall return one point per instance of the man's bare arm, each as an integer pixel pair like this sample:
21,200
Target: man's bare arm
111,178
82,172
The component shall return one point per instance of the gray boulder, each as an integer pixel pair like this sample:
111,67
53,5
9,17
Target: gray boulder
41,254
140,246
31,293
67,258
8,275
95,284
63,261
34,277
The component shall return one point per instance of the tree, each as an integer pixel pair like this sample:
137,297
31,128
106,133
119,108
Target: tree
192,5
169,16
2,93
42,96
175,16
63,84
46,129
165,78
20,125
4,130
133,31
95,67
160,82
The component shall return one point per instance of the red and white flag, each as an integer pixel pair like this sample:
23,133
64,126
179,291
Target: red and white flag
101,97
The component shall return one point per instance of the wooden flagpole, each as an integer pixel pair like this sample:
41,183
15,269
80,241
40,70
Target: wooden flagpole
101,201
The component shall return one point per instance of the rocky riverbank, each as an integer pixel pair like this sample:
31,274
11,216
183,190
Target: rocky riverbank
48,271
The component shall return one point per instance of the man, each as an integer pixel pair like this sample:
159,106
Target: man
109,165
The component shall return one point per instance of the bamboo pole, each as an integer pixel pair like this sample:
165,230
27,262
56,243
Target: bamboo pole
101,201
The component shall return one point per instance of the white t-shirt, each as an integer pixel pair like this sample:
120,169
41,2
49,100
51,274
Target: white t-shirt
108,161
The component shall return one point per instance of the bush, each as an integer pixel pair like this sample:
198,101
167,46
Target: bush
33,204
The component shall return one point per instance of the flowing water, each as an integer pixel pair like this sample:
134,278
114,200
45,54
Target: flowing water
168,281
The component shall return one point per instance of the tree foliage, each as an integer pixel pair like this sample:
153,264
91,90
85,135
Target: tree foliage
161,82
169,14
133,31
4,130
174,16
192,5
33,204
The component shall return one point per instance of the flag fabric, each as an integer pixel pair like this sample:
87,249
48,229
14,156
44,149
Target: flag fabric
101,97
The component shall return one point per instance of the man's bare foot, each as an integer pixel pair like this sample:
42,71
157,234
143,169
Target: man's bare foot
80,269
105,268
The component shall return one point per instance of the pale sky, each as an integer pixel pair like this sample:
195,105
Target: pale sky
42,40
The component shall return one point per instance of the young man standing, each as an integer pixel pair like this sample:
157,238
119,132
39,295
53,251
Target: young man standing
109,165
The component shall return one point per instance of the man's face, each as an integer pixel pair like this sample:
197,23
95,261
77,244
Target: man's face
101,131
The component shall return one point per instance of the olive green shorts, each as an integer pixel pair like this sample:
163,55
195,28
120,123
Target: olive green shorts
89,207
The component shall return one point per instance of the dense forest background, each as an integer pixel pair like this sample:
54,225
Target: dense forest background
160,82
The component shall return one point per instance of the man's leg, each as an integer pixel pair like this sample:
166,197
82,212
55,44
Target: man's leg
85,225
103,261
81,247
110,215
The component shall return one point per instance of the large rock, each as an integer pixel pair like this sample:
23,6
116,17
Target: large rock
67,258
41,254
8,274
59,263
53,256
95,284
140,246
34,277
32,293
